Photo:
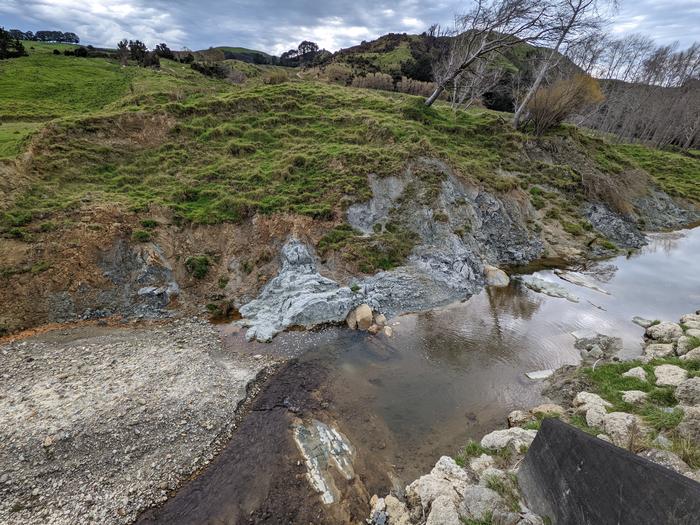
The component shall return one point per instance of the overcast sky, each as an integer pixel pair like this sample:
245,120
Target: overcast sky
277,25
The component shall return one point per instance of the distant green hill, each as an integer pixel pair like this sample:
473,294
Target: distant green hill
237,53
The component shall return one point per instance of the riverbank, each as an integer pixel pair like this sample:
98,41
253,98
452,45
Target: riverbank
104,422
650,406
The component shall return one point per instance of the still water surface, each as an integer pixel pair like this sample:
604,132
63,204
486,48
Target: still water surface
454,373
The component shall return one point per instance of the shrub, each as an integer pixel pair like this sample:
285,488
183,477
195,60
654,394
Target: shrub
198,265
149,223
141,236
374,81
552,104
56,52
276,77
339,74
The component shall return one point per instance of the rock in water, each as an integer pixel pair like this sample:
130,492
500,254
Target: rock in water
548,288
664,332
495,276
361,318
579,280
641,321
540,374
298,296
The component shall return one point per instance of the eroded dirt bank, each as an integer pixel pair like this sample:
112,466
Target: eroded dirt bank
100,423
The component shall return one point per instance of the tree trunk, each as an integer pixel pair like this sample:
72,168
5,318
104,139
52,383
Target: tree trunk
432,98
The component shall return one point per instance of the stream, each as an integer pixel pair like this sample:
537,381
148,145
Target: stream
448,374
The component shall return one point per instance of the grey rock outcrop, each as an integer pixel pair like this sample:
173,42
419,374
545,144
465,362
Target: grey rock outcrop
619,229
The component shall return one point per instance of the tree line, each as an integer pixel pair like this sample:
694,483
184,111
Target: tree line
10,46
46,36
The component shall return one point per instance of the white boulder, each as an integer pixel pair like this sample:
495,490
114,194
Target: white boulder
622,427
634,397
664,332
637,372
669,375
516,438
495,276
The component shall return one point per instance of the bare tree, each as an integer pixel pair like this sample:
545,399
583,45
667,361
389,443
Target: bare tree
469,86
573,20
491,26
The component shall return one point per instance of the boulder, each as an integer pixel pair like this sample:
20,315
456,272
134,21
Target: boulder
443,512
690,425
667,459
516,438
493,473
540,374
586,400
659,350
480,502
693,355
446,478
685,344
692,325
380,319
360,318
479,464
546,409
634,397
622,427
693,332
374,329
669,375
518,417
688,392
595,415
637,372
388,331
604,437
664,332
690,318
495,276
396,511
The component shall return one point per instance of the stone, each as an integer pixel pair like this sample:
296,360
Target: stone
495,276
505,518
637,372
539,285
659,350
443,512
479,502
666,458
579,280
688,392
604,437
479,464
669,375
692,325
548,409
540,374
396,511
634,397
586,400
516,438
690,318
693,332
518,417
662,441
595,415
689,427
380,319
360,318
622,427
685,344
374,329
664,332
693,355
644,323
388,331
446,478
492,473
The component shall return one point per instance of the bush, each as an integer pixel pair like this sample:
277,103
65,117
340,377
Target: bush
198,265
339,74
276,77
552,104
56,52
149,223
374,81
81,52
141,236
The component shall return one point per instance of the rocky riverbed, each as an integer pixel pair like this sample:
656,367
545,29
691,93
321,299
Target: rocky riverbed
101,423
650,406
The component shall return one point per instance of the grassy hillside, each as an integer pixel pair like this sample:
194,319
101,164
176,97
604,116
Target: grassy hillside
213,152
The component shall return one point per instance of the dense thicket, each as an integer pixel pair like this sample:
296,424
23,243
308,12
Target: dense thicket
10,46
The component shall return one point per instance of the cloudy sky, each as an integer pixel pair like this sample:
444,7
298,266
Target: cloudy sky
277,25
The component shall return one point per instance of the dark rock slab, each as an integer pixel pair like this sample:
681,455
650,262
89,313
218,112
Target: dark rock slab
574,478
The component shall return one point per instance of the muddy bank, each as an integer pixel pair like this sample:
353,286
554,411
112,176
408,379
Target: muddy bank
262,477
103,422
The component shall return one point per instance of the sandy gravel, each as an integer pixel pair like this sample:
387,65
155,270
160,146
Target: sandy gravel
97,424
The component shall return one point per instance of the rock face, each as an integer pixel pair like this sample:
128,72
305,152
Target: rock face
664,332
619,229
688,392
669,375
298,296
495,276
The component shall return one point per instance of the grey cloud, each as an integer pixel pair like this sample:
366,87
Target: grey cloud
274,25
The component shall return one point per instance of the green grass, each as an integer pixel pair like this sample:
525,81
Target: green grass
13,136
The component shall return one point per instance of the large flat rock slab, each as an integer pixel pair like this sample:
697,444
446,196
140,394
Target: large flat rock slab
102,422
574,478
